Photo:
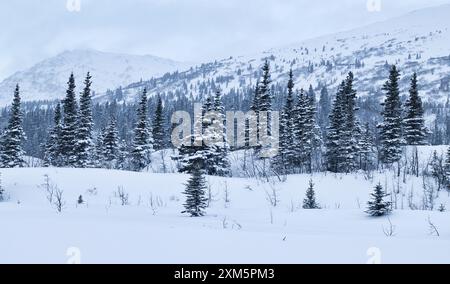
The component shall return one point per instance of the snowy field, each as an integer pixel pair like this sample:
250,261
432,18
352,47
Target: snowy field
242,226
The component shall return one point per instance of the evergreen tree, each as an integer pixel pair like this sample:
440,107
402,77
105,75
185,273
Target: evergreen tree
265,91
286,158
351,131
366,146
391,128
447,167
310,201
210,148
158,127
70,126
378,206
344,132
414,123
438,170
217,133
99,149
335,156
11,151
53,146
110,145
142,141
85,145
306,131
196,202
122,157
324,110
2,190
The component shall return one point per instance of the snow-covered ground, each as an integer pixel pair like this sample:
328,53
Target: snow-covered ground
246,229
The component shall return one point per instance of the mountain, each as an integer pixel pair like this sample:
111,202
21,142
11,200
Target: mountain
416,42
47,80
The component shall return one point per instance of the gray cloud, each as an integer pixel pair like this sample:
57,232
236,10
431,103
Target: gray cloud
187,30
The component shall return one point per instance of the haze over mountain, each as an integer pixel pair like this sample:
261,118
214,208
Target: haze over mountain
47,79
416,42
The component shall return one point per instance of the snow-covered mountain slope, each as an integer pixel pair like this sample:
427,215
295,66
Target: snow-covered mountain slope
47,79
416,42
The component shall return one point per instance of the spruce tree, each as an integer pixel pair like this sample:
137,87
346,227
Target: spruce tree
11,151
366,146
196,201
324,110
414,123
447,167
85,146
391,128
265,91
110,145
310,201
2,190
343,136
218,134
287,155
306,131
70,126
53,146
159,142
335,156
378,206
210,149
142,141
99,149
351,131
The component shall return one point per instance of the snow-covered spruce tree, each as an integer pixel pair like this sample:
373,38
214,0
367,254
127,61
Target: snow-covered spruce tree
310,201
447,167
110,145
196,201
367,149
253,131
142,140
307,133
70,126
438,170
335,136
378,206
344,131
324,110
414,123
99,149
265,91
2,190
208,149
285,161
299,129
391,128
352,128
85,146
11,151
158,130
52,156
216,131
262,102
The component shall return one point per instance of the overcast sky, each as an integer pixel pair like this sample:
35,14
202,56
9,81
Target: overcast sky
184,30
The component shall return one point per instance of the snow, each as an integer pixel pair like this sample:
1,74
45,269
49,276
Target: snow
247,229
47,80
425,32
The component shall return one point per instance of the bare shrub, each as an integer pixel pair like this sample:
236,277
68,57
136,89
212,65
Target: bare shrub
59,202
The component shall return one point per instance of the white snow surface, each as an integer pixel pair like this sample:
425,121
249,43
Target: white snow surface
245,230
